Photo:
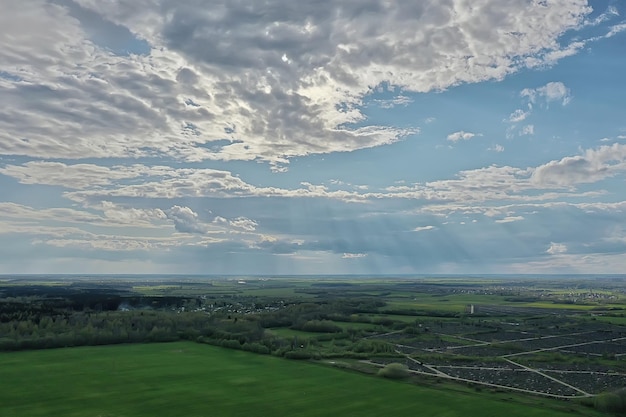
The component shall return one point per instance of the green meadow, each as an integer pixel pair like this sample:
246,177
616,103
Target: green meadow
189,379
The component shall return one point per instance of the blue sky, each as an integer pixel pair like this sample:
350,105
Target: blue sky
326,137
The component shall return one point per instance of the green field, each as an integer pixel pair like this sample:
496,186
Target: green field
286,332
188,379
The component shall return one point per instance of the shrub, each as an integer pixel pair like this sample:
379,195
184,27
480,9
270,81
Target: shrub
231,344
394,371
256,348
321,326
612,402
298,354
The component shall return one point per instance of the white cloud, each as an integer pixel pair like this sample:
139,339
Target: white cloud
396,101
518,115
552,91
116,213
353,255
616,29
527,130
493,182
556,248
113,215
97,183
77,176
592,166
159,182
74,237
294,87
461,135
185,220
63,215
244,224
83,123
112,243
510,219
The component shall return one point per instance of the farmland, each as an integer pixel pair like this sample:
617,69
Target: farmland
189,379
537,340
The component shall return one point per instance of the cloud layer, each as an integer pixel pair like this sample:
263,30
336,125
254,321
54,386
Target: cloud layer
217,136
249,81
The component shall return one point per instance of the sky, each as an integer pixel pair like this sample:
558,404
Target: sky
322,137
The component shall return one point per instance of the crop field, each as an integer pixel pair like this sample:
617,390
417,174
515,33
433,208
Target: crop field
189,379
286,332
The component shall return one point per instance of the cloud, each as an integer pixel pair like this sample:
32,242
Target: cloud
616,29
496,148
518,116
96,183
265,81
112,215
510,219
63,215
76,176
353,255
217,81
391,103
493,182
75,237
552,91
461,135
239,223
556,248
185,220
91,185
527,130
423,228
121,214
244,224
122,244
592,166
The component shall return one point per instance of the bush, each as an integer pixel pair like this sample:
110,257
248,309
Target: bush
321,326
256,348
298,354
231,344
372,346
394,371
612,402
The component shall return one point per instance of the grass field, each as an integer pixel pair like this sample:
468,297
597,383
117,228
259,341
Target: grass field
188,379
289,333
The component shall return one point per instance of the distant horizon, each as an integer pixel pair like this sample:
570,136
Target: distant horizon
622,276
